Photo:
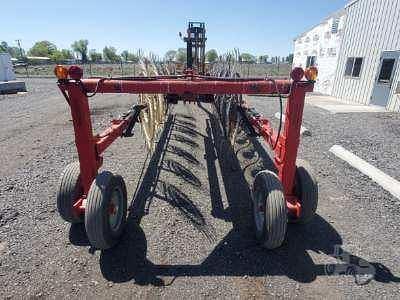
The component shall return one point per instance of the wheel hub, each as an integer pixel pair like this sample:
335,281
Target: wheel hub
114,210
259,211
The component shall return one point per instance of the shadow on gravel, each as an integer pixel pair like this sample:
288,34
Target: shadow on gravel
237,254
186,123
176,198
183,153
127,260
181,171
186,130
186,117
77,235
184,140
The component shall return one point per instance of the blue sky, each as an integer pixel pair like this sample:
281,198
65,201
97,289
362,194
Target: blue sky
255,26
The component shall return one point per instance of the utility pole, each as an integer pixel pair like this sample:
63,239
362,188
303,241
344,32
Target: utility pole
20,48
21,57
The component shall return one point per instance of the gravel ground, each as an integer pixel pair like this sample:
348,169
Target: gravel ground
189,231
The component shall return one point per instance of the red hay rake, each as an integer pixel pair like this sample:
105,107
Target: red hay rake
99,199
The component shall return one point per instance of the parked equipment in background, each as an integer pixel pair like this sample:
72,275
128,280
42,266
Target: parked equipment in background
99,198
196,46
8,82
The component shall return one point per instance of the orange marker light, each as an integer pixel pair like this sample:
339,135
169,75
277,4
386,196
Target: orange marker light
311,73
61,72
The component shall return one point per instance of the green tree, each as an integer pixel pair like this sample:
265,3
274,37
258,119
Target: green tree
289,58
170,55
248,58
3,47
81,48
42,48
95,56
263,59
132,57
129,57
211,56
125,55
67,54
181,55
110,54
13,51
62,55
57,56
275,59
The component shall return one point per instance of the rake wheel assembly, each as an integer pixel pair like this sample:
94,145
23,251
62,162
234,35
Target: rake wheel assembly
152,117
101,198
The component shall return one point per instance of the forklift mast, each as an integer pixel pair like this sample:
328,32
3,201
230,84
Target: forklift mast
196,46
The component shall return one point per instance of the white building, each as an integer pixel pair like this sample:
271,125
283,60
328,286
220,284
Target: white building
6,68
368,69
368,49
8,82
320,47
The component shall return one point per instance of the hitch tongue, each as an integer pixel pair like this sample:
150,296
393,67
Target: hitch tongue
133,116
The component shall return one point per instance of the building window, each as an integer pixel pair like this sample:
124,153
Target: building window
299,41
386,70
316,37
353,67
357,66
308,39
335,26
331,51
311,61
327,35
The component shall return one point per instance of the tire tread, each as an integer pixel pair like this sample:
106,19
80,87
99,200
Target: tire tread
96,228
275,210
66,193
308,193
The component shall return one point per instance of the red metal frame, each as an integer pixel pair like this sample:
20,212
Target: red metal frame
90,147
288,142
192,84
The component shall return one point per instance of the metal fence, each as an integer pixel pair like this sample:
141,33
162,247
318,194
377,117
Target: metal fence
133,69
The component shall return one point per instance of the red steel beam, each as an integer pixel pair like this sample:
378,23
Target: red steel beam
108,136
89,159
191,85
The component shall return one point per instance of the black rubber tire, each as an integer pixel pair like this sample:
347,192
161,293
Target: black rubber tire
306,190
68,192
268,200
98,227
